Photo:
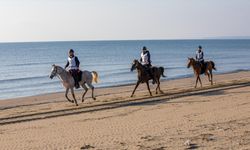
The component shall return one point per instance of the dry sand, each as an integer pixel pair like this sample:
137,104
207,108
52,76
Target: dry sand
212,117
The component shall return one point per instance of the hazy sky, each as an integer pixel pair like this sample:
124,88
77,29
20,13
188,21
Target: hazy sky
55,20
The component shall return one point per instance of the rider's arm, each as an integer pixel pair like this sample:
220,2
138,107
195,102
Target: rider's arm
149,59
141,58
67,64
77,62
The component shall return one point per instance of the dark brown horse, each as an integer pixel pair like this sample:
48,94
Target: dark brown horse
198,70
144,76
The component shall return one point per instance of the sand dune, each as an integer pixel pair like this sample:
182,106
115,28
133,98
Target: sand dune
213,117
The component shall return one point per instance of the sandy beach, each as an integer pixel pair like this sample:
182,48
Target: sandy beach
212,117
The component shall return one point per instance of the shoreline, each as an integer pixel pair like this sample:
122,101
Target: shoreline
166,85
127,84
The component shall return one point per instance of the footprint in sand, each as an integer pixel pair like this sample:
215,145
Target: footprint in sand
207,137
87,147
147,138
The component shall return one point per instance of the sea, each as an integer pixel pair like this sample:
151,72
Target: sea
25,67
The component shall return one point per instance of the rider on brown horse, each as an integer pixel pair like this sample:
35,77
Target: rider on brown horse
146,61
200,58
73,67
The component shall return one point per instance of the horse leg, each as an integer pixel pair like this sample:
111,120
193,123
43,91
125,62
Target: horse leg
158,86
66,95
92,88
211,75
156,90
93,93
73,94
197,78
85,91
200,80
137,84
208,76
148,88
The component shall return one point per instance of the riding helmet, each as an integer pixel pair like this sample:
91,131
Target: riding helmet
71,51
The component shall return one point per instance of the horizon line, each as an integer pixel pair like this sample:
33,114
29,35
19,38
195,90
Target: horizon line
107,40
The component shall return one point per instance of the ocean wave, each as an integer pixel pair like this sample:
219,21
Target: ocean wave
23,79
34,63
30,85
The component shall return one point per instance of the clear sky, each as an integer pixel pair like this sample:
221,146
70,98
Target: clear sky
56,20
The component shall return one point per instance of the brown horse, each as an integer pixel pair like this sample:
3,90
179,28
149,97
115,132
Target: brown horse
144,76
210,66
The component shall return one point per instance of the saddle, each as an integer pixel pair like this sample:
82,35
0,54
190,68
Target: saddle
79,75
149,71
203,67
76,74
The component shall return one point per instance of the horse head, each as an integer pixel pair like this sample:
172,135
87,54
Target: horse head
191,61
135,64
53,71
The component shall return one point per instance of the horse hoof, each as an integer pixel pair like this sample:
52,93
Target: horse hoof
76,104
132,96
82,100
94,98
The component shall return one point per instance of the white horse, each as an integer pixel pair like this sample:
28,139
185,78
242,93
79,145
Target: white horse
68,81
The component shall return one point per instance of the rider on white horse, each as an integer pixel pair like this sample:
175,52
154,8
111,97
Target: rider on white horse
73,67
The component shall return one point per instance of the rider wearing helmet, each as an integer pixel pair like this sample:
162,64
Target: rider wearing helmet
145,57
146,62
73,66
200,55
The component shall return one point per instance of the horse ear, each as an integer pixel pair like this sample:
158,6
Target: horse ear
189,58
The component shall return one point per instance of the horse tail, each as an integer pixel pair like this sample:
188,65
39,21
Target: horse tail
213,65
95,76
162,71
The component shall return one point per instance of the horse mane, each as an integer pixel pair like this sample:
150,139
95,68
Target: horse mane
191,58
56,66
61,68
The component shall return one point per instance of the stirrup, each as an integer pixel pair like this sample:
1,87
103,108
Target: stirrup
77,86
153,82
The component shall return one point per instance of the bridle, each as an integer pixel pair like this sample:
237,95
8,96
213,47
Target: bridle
56,71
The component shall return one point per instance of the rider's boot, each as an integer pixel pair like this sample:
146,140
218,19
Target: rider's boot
77,86
151,75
